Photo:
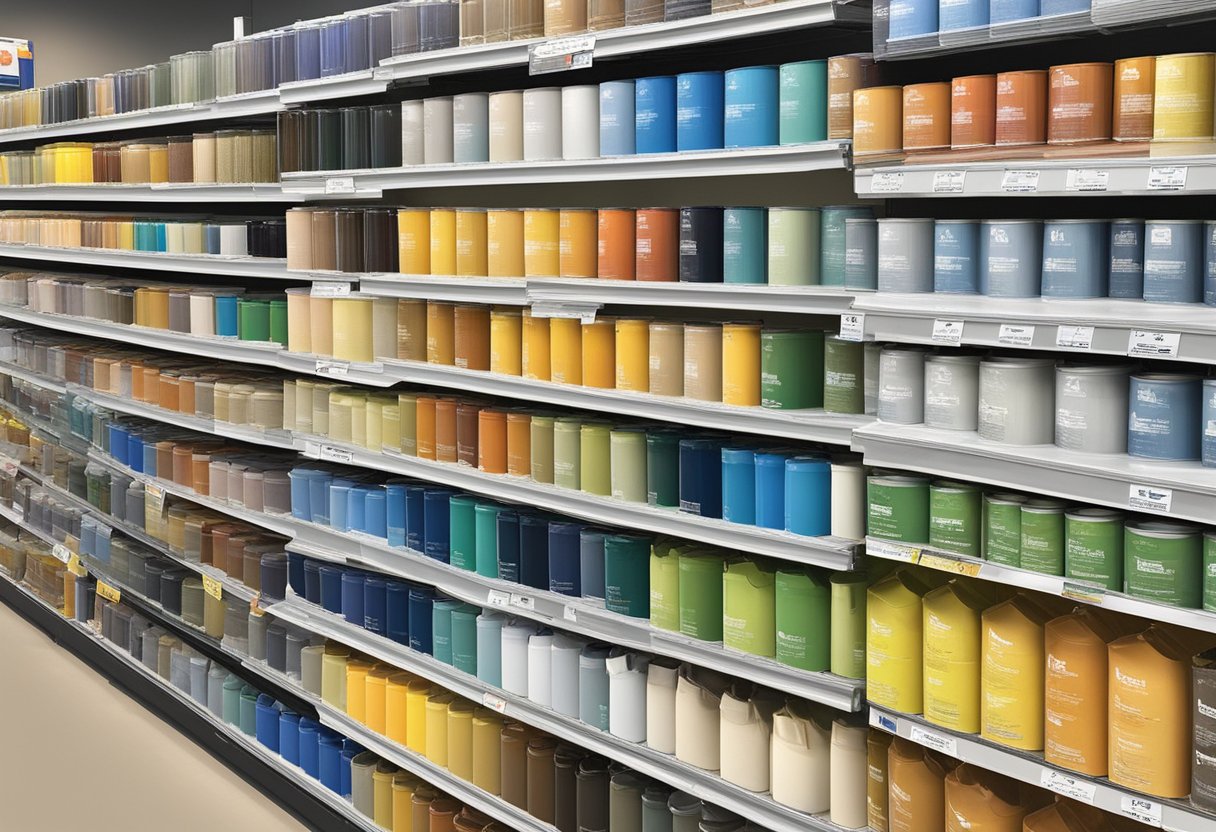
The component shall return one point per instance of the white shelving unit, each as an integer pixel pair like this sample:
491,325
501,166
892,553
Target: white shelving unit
159,193
266,268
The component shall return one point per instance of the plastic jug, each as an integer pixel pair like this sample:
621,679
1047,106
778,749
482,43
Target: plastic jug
982,801
803,618
878,744
849,624
661,681
1075,694
894,632
847,774
916,778
698,702
749,607
801,755
952,656
745,735
1011,674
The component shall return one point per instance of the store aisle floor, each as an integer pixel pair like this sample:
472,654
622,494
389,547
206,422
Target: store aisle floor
77,753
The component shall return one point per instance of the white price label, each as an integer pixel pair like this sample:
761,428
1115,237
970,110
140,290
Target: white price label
1020,181
890,182
569,613
496,703
584,314
524,602
934,740
498,598
1084,592
949,181
561,54
1148,498
340,185
332,368
61,553
948,332
881,721
1014,335
852,327
312,449
892,551
332,454
1144,344
1167,177
1075,337
1067,785
328,289
1141,809
1087,181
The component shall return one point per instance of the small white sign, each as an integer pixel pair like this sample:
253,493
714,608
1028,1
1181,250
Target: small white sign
569,613
1141,809
61,553
1020,181
340,185
332,454
888,182
1144,344
892,551
949,181
1016,335
327,289
948,332
524,602
1167,177
882,722
933,740
1075,337
852,327
1087,181
1067,785
498,598
1149,498
332,368
561,55
497,703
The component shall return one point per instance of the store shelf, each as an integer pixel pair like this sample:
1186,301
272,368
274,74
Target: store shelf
160,194
1185,491
830,552
364,82
802,300
1073,590
266,268
504,291
758,808
1036,323
345,184
1041,177
36,379
1174,816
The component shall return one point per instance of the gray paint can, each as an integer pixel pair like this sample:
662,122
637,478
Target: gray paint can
956,257
1209,263
1089,401
905,255
1126,259
1209,422
952,391
1164,414
901,385
1011,258
861,253
1075,259
1017,401
1173,261
871,353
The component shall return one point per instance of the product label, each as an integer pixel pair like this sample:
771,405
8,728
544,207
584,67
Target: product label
881,721
108,592
1087,181
1014,335
1149,498
569,613
933,740
1020,181
76,567
332,454
213,587
1075,337
1081,592
949,181
561,55
524,602
948,332
340,185
1167,178
1144,344
1141,809
326,289
1067,785
496,703
498,598
891,182
326,367
852,327
892,551
61,553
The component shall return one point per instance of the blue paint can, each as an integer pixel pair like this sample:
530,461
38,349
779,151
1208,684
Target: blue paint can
808,496
331,588
397,611
1126,259
1075,259
654,112
770,490
701,477
438,529
564,559
1047,8
225,316
318,496
374,600
617,119
415,517
1173,261
745,245
909,18
962,14
1209,263
375,520
339,502
699,110
832,242
956,257
422,598
508,545
739,485
534,551
1007,11
394,508
701,245
352,597
1011,258
591,562
751,117
312,582
1209,423
1164,416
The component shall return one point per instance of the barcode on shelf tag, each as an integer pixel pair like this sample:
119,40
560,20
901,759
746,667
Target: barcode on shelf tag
949,181
498,598
1141,809
569,613
327,289
946,563
108,592
934,740
1082,592
331,454
524,602
326,367
948,332
1020,181
561,55
340,185
1149,498
1167,177
892,551
881,721
61,553
1075,337
1016,335
1067,785
495,702
1144,344
213,587
1087,181
888,182
852,327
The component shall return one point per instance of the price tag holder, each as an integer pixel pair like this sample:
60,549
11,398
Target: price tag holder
888,182
1020,182
892,551
61,553
1075,337
949,181
953,565
213,587
934,740
328,289
881,721
569,613
583,312
1087,181
1150,499
948,332
498,598
1016,335
1167,177
523,602
1084,593
1067,785
108,592
331,454
340,185
1141,809
1144,344
496,703
76,567
336,369
852,327
561,55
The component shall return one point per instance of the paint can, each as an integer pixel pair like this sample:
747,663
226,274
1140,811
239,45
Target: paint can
808,496
577,243
655,114
1011,258
905,255
542,124
1093,547
770,489
1003,528
617,118
1163,562
1043,536
1079,103
1209,262
1089,399
956,256
703,362
1008,11
1164,416
1173,261
843,376
846,75
1075,259
701,477
793,247
901,385
1021,108
1135,82
471,127
952,392
739,486
877,120
632,354
832,241
1184,88
962,14
506,126
1016,402
791,369
663,468
897,508
745,245
1209,571
973,111
956,518
861,253
750,101
1208,449
802,102
741,364
926,111
699,111
657,244
910,18
701,245
1126,259
666,360
616,244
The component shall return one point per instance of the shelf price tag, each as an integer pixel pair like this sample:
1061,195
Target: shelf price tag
331,454
949,181
1067,785
496,703
1087,181
1082,592
934,740
1075,337
329,289
326,367
76,567
881,721
108,592
948,332
888,182
1148,498
61,553
213,587
524,602
892,551
1144,344
561,55
1141,809
498,598
569,613
953,565
340,185
852,327
1015,335
1167,177
1020,181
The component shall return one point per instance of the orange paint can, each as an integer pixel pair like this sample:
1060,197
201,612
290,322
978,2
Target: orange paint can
425,426
927,116
492,441
1079,103
472,337
846,75
1021,107
534,359
577,245
973,111
1135,84
445,430
599,353
440,332
519,443
878,120
657,244
504,242
616,244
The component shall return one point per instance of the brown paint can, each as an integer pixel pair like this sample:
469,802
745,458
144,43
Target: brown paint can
616,244
846,74
1135,84
1021,107
878,120
927,116
1079,103
973,111
657,244
471,325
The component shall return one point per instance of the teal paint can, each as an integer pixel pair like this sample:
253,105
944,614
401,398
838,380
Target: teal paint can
745,245
802,102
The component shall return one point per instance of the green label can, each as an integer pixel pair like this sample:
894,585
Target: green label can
848,633
1162,562
663,469
1043,536
664,586
700,612
955,523
1209,571
898,508
1093,547
804,619
1003,528
791,369
844,388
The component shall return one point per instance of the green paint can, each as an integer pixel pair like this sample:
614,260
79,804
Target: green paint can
663,469
462,534
802,95
541,431
897,508
278,322
567,453
1093,547
1043,536
848,633
595,455
485,520
1163,562
956,517
1209,571
749,607
844,371
464,638
664,586
701,593
1003,528
627,574
254,319
804,619
791,369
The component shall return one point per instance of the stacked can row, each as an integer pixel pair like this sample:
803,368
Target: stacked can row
912,18
254,237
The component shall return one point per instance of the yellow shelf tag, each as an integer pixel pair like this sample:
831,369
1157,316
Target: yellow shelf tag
108,592
213,587
76,567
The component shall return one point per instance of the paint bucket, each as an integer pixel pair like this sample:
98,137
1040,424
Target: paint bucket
973,111
1163,562
443,242
1075,259
542,124
519,443
535,349
1021,107
666,362
1042,544
701,477
962,14
791,369
471,337
808,496
905,255
1079,103
541,447
1173,261
770,489
1208,448
832,241
616,244
1184,88
599,353
504,242
1093,547
861,254
1209,571
901,386
910,18
877,120
1135,82
1164,419
655,114
1008,11
744,245
952,392
1209,263
846,74
565,351
437,131
750,101
567,455
848,631
1016,402
577,251
1011,258
471,243
793,247
1126,259
617,118
1087,396
580,122
897,508
739,486
926,116
657,237
699,111
633,354
701,245
802,102
663,469
414,240
1003,528
506,126
542,247
741,364
956,256
703,362
844,379
955,518
595,458
471,128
